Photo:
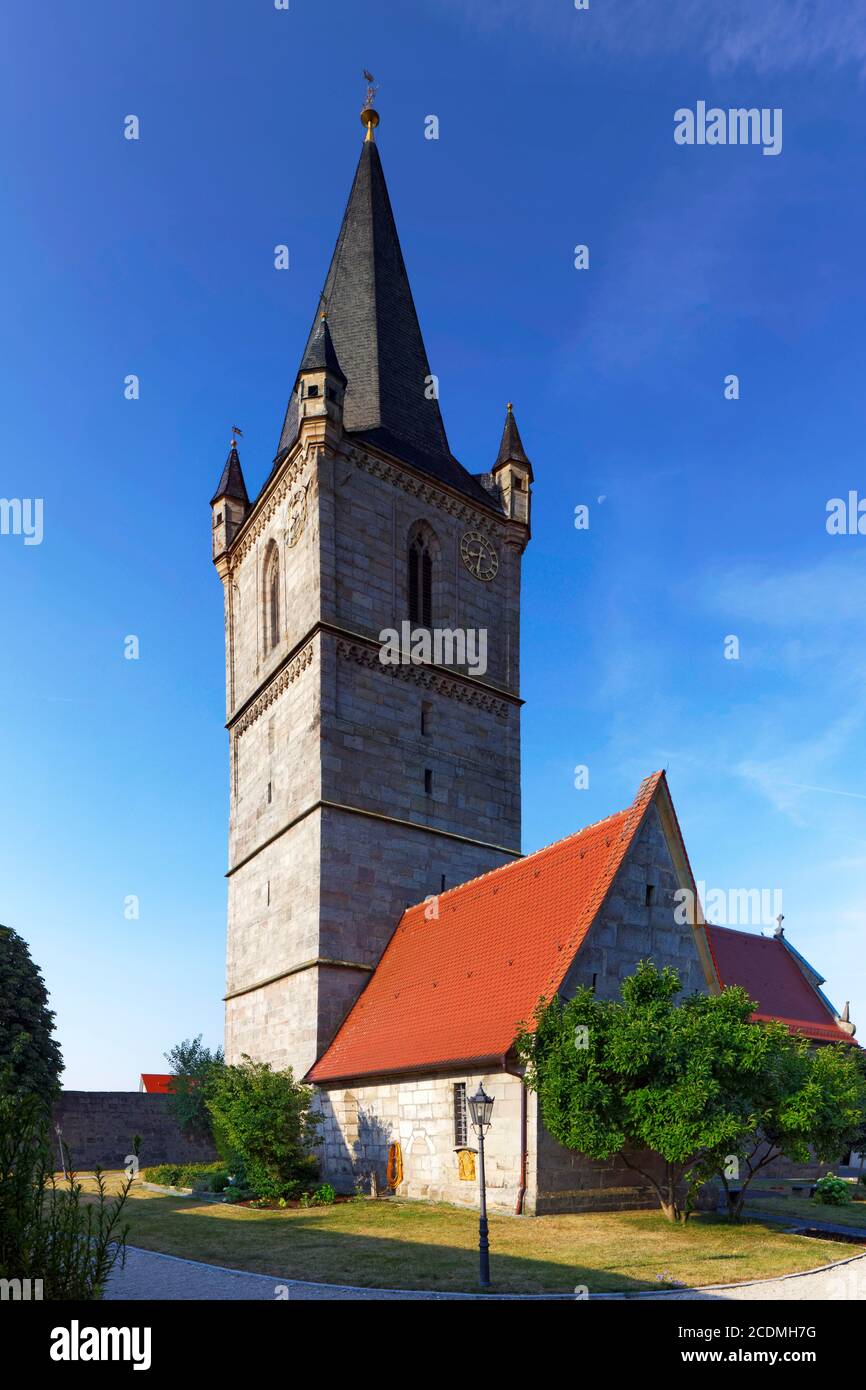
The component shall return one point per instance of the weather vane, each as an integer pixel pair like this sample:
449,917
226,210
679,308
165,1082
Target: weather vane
372,88
369,115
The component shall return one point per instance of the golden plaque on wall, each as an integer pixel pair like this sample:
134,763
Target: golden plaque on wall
466,1164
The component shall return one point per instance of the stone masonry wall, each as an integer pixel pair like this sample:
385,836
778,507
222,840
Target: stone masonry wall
368,509
99,1126
360,1122
569,1181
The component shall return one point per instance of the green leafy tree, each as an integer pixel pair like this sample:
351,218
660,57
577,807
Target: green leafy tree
809,1104
648,1075
30,1060
192,1067
263,1121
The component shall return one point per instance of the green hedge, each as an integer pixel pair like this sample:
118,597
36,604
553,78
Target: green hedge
206,1177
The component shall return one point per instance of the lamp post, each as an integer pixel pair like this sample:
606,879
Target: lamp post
481,1110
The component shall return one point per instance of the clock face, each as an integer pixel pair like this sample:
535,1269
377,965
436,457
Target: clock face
297,516
478,555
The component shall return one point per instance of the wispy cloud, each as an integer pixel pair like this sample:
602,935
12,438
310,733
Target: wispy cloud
665,283
826,593
764,36
779,776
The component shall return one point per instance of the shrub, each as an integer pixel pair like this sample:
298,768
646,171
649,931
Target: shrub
206,1177
833,1191
47,1231
164,1173
262,1118
323,1196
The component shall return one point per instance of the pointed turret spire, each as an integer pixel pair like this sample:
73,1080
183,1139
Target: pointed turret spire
229,504
231,483
511,448
391,395
320,355
512,471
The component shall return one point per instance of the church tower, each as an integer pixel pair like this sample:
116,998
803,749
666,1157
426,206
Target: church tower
361,782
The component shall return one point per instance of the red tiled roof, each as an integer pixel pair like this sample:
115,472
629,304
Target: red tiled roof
451,990
157,1082
771,976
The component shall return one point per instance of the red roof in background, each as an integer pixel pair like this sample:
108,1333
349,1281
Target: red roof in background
154,1082
451,990
770,975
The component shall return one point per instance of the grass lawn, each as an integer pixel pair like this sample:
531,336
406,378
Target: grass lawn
805,1210
395,1244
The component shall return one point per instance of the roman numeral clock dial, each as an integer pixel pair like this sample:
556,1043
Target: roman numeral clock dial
478,556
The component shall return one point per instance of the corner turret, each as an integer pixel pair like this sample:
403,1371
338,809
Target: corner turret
512,471
229,503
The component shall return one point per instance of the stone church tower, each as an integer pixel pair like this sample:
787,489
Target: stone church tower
359,786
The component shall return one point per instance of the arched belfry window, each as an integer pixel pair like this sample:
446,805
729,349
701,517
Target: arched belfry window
421,559
272,598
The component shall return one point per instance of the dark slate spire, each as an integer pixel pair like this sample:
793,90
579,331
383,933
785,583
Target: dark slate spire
511,448
232,484
372,321
320,355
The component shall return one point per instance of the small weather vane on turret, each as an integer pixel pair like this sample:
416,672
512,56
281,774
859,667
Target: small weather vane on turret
369,115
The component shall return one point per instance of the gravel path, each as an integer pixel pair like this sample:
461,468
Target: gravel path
151,1276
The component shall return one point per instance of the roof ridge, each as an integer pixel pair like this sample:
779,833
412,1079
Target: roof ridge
741,931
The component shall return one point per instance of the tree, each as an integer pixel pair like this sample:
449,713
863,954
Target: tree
810,1104
648,1075
859,1144
262,1119
192,1066
30,1060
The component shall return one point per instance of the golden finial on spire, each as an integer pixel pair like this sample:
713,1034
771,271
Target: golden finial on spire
509,407
369,115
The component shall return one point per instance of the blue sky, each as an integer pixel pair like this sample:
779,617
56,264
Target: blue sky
155,257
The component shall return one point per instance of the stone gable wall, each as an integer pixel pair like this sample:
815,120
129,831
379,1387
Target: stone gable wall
627,930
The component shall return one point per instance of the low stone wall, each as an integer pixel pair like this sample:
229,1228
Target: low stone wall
98,1127
569,1181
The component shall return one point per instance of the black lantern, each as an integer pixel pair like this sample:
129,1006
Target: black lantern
481,1110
